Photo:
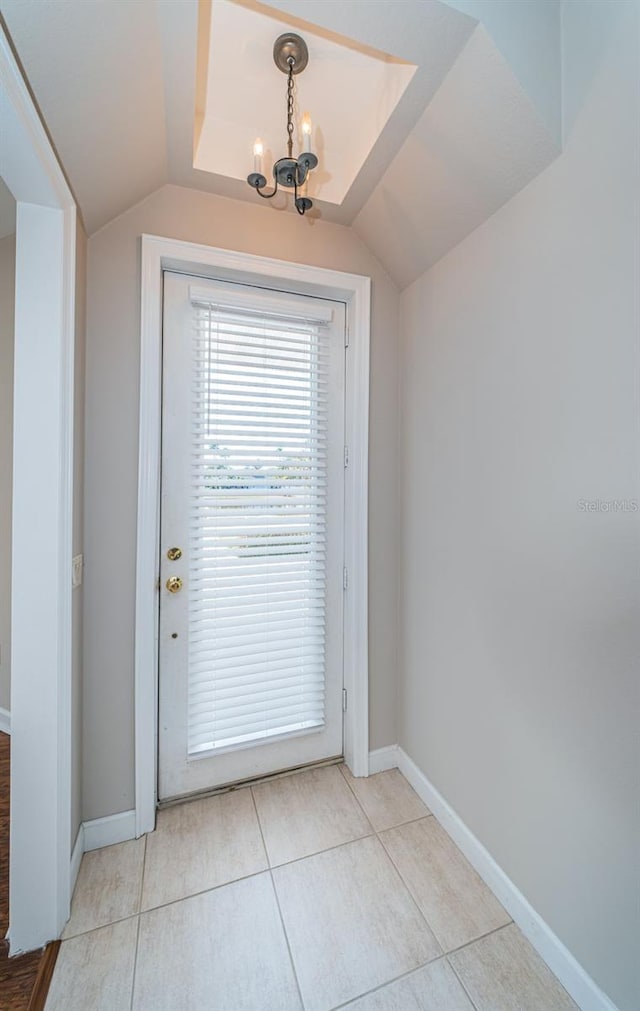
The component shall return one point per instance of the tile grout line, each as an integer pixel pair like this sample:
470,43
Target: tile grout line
444,957
101,926
410,893
171,902
461,982
410,821
317,853
135,963
260,829
401,824
341,767
476,940
390,982
445,951
286,939
277,898
139,916
467,944
144,871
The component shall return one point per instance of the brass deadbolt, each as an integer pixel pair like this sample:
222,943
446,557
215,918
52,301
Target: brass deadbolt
173,554
174,584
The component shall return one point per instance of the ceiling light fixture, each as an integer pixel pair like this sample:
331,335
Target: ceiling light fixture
291,56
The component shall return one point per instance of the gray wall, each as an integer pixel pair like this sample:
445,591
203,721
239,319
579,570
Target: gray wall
78,529
7,300
520,636
113,350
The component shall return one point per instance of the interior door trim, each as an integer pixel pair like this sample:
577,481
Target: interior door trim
40,883
159,254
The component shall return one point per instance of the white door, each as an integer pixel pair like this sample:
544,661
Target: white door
251,638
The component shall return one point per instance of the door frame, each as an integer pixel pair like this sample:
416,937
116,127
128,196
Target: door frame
41,664
159,254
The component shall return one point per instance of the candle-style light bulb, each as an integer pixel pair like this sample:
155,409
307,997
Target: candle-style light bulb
257,156
306,132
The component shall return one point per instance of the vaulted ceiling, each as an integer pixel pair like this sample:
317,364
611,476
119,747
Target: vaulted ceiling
432,114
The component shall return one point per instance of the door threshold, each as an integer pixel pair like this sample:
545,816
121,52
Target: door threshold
241,784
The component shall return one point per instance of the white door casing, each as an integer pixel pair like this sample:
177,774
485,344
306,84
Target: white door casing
40,852
254,638
160,254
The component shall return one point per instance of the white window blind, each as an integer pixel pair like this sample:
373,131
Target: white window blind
257,521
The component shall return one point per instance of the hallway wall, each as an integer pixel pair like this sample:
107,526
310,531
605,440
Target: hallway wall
78,527
113,350
519,588
7,299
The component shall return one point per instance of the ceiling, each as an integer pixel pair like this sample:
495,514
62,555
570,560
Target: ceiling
477,143
428,115
343,132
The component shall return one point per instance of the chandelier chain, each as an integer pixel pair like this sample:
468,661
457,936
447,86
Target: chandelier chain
290,87
290,55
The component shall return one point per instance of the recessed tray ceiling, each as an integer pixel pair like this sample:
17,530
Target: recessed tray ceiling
349,90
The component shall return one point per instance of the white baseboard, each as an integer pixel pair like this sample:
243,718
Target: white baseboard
115,828
5,721
585,992
383,759
76,857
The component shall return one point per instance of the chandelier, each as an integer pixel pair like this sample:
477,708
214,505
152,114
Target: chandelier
291,56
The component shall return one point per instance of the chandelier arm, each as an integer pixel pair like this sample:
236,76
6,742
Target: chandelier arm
267,196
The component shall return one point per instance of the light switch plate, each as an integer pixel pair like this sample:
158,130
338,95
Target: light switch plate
76,571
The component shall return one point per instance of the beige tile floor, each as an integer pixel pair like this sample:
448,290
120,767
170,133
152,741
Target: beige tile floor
308,893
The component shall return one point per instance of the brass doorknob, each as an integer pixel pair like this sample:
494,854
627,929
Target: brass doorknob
174,584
